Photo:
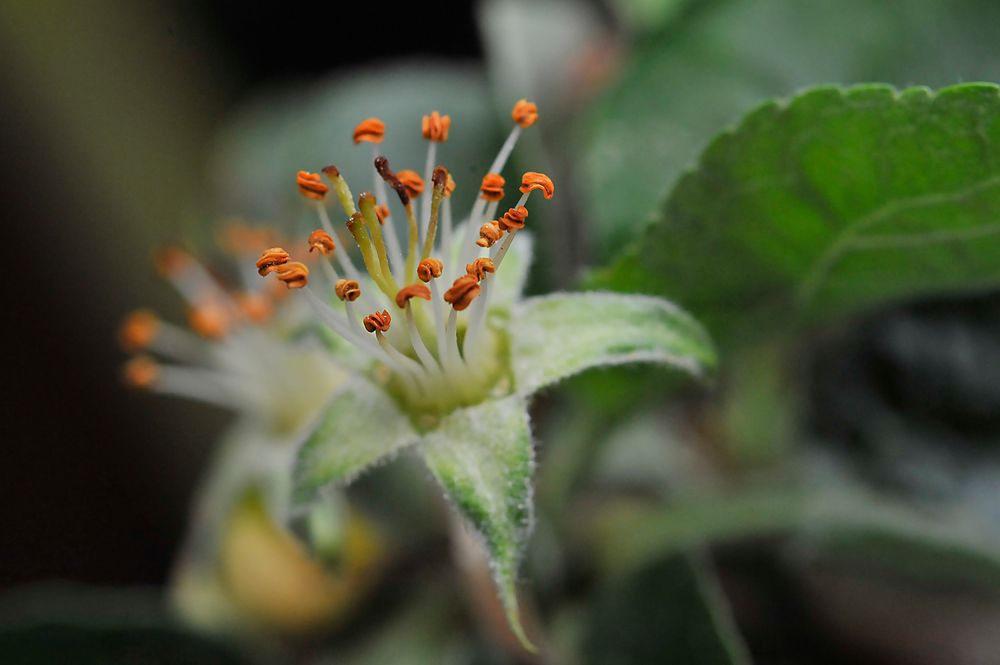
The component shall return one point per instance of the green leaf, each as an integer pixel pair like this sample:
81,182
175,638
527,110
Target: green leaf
361,427
830,203
483,458
559,335
310,127
670,607
720,59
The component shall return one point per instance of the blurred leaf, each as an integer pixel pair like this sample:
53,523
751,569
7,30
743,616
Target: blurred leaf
562,334
64,624
361,427
483,458
312,126
670,607
834,202
687,83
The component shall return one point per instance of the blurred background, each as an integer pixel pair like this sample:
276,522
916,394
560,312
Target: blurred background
129,126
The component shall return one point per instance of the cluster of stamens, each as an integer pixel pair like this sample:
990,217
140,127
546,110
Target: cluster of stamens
438,358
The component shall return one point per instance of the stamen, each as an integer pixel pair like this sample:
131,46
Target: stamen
435,127
141,372
525,113
255,306
462,292
439,178
210,320
368,209
311,185
412,181
382,166
347,290
491,188
340,186
371,130
532,181
356,225
489,234
491,192
171,261
513,219
416,341
139,330
270,259
322,242
479,268
412,291
294,274
449,189
382,212
429,269
379,321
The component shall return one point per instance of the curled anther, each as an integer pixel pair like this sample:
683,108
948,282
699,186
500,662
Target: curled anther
347,290
525,113
412,291
462,292
382,213
435,126
449,187
532,181
322,242
412,181
370,130
479,268
270,259
379,321
429,269
489,234
311,185
513,219
141,372
210,320
383,169
295,275
491,188
139,330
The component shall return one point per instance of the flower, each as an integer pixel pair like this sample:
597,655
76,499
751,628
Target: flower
436,349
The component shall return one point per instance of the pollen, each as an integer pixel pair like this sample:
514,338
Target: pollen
532,181
322,242
379,321
270,259
429,269
479,268
412,291
311,185
295,275
435,127
139,330
449,186
513,219
489,234
412,181
141,372
370,130
210,320
347,289
525,113
491,188
462,292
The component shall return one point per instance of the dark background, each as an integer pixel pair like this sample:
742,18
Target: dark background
95,480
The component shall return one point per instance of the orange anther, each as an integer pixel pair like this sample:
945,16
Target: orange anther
479,268
412,181
378,321
531,181
210,320
462,292
492,187
347,289
270,259
513,219
172,260
435,126
429,269
382,212
371,130
449,187
141,372
139,330
412,291
295,275
525,113
322,242
489,234
311,185
256,307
